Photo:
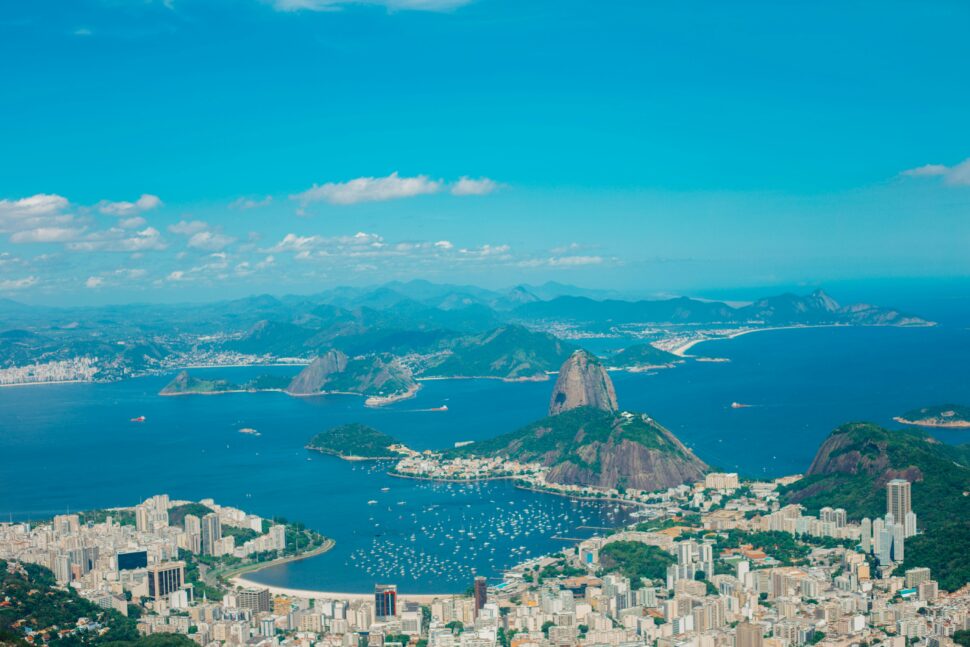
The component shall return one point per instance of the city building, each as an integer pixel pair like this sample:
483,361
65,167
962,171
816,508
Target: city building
165,578
385,601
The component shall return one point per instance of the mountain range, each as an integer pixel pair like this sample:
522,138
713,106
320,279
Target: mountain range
455,330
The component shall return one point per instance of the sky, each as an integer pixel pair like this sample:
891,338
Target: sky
201,149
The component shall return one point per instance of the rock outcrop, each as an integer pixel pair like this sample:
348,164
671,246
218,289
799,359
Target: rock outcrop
380,376
314,378
582,382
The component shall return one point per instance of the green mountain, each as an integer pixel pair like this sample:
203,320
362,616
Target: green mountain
852,468
372,375
641,355
511,352
354,441
184,384
589,446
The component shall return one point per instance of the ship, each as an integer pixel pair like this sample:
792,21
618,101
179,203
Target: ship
738,405
138,419
443,407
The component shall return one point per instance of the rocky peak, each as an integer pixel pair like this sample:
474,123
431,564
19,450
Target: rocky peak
313,378
582,382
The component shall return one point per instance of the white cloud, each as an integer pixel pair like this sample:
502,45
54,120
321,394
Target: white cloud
46,235
250,203
94,282
958,175
562,261
177,275
468,186
369,189
146,202
119,240
294,243
42,204
444,244
391,5
132,223
17,284
210,241
188,228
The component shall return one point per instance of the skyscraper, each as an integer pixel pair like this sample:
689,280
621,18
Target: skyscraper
385,601
898,499
211,532
256,600
165,578
481,593
866,536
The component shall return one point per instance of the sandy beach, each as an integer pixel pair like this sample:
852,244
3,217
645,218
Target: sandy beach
332,595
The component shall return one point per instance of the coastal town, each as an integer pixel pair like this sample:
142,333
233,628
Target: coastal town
714,563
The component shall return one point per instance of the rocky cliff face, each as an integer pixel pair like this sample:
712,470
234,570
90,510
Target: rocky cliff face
622,461
372,375
587,446
582,382
315,377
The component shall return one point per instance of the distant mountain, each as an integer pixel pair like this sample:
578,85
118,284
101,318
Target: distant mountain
372,375
582,382
509,352
787,309
856,461
592,447
642,355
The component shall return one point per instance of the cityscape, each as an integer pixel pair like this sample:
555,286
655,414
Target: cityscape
484,323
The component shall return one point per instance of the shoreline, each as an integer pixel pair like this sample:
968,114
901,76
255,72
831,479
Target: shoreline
681,350
336,595
236,573
929,422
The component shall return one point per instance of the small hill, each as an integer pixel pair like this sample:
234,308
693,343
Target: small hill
582,382
952,416
589,446
185,384
856,461
372,375
354,441
510,352
643,355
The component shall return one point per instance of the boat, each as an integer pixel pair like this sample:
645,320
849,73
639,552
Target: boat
372,502
738,405
138,419
443,407
249,430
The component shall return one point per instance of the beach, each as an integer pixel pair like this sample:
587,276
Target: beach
332,595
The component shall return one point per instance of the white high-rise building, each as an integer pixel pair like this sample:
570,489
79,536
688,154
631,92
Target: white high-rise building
910,523
898,499
866,535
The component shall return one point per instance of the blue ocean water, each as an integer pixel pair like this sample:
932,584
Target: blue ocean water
74,447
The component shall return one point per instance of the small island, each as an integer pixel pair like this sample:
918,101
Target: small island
949,416
357,442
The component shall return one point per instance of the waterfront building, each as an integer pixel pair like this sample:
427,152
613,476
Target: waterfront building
481,593
256,600
385,601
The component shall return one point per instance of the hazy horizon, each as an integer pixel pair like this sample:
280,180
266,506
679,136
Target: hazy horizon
178,150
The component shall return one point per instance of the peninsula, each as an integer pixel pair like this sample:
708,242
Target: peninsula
948,416
357,442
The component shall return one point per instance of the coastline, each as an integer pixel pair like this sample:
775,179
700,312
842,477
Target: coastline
335,595
929,422
236,573
681,351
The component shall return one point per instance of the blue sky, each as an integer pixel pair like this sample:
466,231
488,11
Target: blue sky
193,149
